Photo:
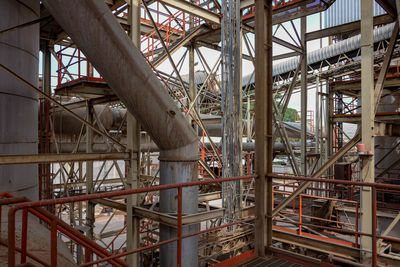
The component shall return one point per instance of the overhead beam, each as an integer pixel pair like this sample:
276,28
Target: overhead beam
388,7
194,10
287,44
379,85
345,28
49,158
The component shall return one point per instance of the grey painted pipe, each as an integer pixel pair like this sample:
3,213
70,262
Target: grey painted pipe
19,51
94,29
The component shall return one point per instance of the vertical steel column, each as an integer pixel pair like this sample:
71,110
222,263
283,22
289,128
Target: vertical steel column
263,117
303,30
89,171
317,115
367,123
133,145
317,128
44,169
192,85
231,105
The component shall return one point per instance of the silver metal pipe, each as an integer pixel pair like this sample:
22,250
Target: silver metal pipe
19,51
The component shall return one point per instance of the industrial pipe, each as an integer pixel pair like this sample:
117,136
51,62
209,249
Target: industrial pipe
19,50
95,30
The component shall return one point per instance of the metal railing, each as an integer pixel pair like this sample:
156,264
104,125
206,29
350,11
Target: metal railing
91,248
374,188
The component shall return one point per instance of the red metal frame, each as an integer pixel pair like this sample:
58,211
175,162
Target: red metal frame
59,226
374,187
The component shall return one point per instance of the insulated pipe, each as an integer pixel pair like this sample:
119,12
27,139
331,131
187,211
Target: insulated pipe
95,30
19,51
67,125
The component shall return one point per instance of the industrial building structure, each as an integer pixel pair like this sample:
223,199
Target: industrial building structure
157,133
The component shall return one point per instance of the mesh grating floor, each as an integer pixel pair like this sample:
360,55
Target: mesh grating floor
271,261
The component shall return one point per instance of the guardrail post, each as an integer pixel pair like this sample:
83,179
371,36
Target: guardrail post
88,254
179,228
357,214
53,245
374,225
11,238
24,234
300,211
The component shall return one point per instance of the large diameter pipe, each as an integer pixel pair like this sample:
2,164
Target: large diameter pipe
67,125
173,172
19,51
95,30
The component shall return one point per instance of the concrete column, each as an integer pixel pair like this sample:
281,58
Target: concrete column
133,145
367,122
303,82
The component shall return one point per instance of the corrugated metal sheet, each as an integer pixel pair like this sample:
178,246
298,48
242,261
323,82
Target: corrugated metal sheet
345,11
335,49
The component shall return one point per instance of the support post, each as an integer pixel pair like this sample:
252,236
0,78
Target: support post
231,106
45,124
89,172
263,117
133,146
303,26
317,115
367,124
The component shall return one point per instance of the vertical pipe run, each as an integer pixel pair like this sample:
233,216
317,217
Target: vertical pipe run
19,104
178,170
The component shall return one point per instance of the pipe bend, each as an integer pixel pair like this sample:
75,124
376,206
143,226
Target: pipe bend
187,153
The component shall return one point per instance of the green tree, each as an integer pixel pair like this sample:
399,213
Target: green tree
290,114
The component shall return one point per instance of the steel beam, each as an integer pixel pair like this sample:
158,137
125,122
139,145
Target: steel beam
379,85
193,9
133,145
318,173
90,219
263,117
303,30
345,28
51,158
367,124
287,44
